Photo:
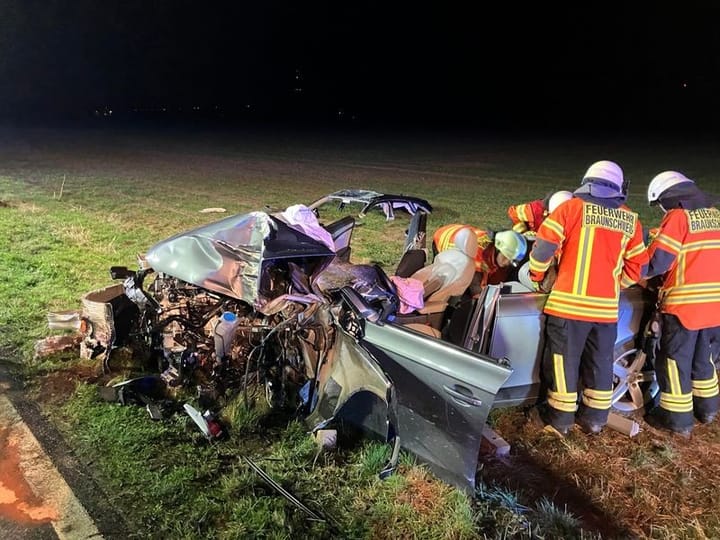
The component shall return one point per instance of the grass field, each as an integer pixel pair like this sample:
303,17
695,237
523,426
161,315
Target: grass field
73,203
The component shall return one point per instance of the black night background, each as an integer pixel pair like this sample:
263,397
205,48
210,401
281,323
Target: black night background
367,63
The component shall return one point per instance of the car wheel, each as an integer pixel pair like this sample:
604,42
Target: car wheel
634,382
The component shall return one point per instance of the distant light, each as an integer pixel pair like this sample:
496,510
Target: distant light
684,85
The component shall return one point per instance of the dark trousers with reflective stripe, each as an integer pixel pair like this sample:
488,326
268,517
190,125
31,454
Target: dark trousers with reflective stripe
686,373
578,352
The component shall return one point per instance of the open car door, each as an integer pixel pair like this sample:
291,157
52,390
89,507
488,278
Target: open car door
441,394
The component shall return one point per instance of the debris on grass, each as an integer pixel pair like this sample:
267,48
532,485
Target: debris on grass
53,345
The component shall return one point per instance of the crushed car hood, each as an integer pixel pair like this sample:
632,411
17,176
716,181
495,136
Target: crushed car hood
228,256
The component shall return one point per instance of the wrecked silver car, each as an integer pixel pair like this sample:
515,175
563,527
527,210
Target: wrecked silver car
268,299
272,299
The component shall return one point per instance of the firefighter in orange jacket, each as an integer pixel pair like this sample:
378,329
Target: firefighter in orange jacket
497,253
686,253
528,217
602,248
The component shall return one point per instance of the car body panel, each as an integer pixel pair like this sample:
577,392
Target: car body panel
443,394
372,199
514,329
347,376
228,256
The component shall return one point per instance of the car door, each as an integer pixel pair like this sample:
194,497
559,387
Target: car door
441,394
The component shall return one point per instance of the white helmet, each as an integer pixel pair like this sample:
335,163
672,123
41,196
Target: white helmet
606,178
664,181
557,198
512,245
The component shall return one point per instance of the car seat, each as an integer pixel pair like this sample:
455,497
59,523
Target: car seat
448,276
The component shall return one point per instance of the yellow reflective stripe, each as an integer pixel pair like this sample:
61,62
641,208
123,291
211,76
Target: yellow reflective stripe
559,368
706,392
676,398
680,272
618,270
706,286
693,293
674,378
626,282
563,402
522,212
677,300
537,266
564,396
555,227
634,252
706,388
446,236
562,406
702,244
585,299
596,403
597,399
673,404
673,245
607,314
584,258
705,384
598,394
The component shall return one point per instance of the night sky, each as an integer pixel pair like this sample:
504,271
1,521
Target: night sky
364,62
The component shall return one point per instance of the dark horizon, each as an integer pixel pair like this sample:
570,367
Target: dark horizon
369,65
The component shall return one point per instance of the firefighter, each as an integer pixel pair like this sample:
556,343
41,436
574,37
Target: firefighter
498,253
686,254
528,217
602,249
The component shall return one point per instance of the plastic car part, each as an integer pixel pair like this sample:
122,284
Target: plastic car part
207,422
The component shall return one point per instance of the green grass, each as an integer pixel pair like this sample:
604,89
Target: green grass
170,482
124,191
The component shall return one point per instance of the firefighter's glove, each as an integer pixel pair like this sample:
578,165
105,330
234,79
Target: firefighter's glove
536,279
544,281
520,227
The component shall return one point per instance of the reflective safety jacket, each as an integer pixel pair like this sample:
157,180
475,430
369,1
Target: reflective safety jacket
602,251
485,258
691,285
527,216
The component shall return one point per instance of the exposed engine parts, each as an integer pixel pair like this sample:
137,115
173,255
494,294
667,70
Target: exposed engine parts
204,340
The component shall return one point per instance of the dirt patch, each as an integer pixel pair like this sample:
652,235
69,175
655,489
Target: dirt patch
56,387
616,485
